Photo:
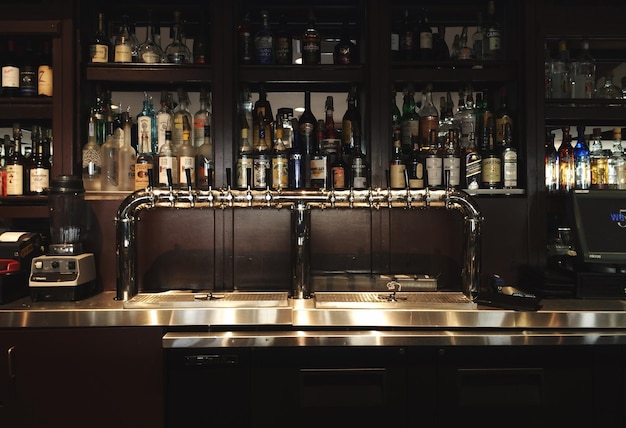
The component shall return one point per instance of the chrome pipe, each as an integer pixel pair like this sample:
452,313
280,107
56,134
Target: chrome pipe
301,201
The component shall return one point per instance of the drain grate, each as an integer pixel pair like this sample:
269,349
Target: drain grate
208,299
404,300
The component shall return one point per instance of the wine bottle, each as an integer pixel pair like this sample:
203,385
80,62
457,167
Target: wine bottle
16,165
28,71
204,161
44,71
311,43
186,156
307,133
39,168
99,46
10,71
397,168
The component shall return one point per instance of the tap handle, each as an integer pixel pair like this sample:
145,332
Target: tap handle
228,177
188,177
388,178
150,178
248,178
170,180
209,178
406,178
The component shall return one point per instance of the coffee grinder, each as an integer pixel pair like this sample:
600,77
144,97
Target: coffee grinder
65,272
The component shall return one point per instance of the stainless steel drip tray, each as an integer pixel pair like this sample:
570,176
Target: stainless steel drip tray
402,300
209,299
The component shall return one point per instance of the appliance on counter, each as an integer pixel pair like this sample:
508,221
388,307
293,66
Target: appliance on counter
66,272
17,250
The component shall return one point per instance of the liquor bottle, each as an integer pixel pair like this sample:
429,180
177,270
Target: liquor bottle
177,51
16,165
186,154
280,163
284,49
433,162
407,38
244,36
149,52
311,43
451,162
10,71
167,160
567,168
262,113
264,42
144,164
491,164
99,46
441,50
395,40
561,67
201,118
410,121
204,161
244,160
472,166
318,162
91,158
416,165
619,159
350,124
200,48
478,39
245,108
123,49
44,71
261,157
397,168
494,34
396,116
584,67
359,170
599,161
464,49
109,179
616,159
181,113
127,156
428,117
550,162
146,124
284,121
608,90
297,164
582,162
28,71
38,166
345,51
503,117
164,119
338,171
307,133
331,140
425,37
509,160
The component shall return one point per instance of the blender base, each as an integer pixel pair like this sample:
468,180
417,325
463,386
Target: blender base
64,293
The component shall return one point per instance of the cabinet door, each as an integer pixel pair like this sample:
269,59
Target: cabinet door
83,377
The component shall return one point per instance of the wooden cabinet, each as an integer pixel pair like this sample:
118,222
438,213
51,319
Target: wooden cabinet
75,377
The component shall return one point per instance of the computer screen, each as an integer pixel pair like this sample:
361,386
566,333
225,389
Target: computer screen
599,226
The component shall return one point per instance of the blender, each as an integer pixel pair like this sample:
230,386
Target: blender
65,272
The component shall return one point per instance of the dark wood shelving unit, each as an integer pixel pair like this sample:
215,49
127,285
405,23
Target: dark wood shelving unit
149,73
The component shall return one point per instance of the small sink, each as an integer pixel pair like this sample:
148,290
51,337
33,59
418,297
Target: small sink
386,300
187,299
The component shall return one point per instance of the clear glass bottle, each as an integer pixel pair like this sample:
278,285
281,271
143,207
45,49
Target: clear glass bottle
599,161
280,163
144,165
616,160
91,158
582,161
428,118
561,69
551,166
451,162
149,51
177,51
180,115
110,164
244,161
186,154
467,121
261,157
264,41
127,156
147,125
164,119
410,121
204,161
609,90
123,48
201,118
567,167
509,160
584,73
99,46
168,161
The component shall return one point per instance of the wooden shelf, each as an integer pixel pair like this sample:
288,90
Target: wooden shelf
26,108
149,73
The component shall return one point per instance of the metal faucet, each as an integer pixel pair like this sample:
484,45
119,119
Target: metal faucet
301,202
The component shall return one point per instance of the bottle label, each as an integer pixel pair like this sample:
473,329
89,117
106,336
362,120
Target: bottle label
144,131
339,178
311,52
91,163
150,57
318,169
165,163
452,167
426,40
409,127
282,50
359,174
123,53
280,172
434,170
509,169
264,53
28,81
493,37
10,77
491,171
416,181
44,81
99,53
396,176
243,165
39,180
407,43
15,180
164,120
395,42
184,163
427,123
472,171
260,169
142,174
501,124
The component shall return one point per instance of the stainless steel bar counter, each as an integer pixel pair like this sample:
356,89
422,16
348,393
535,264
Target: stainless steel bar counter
303,322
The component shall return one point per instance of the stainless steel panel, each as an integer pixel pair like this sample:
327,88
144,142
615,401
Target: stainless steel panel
184,299
387,300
